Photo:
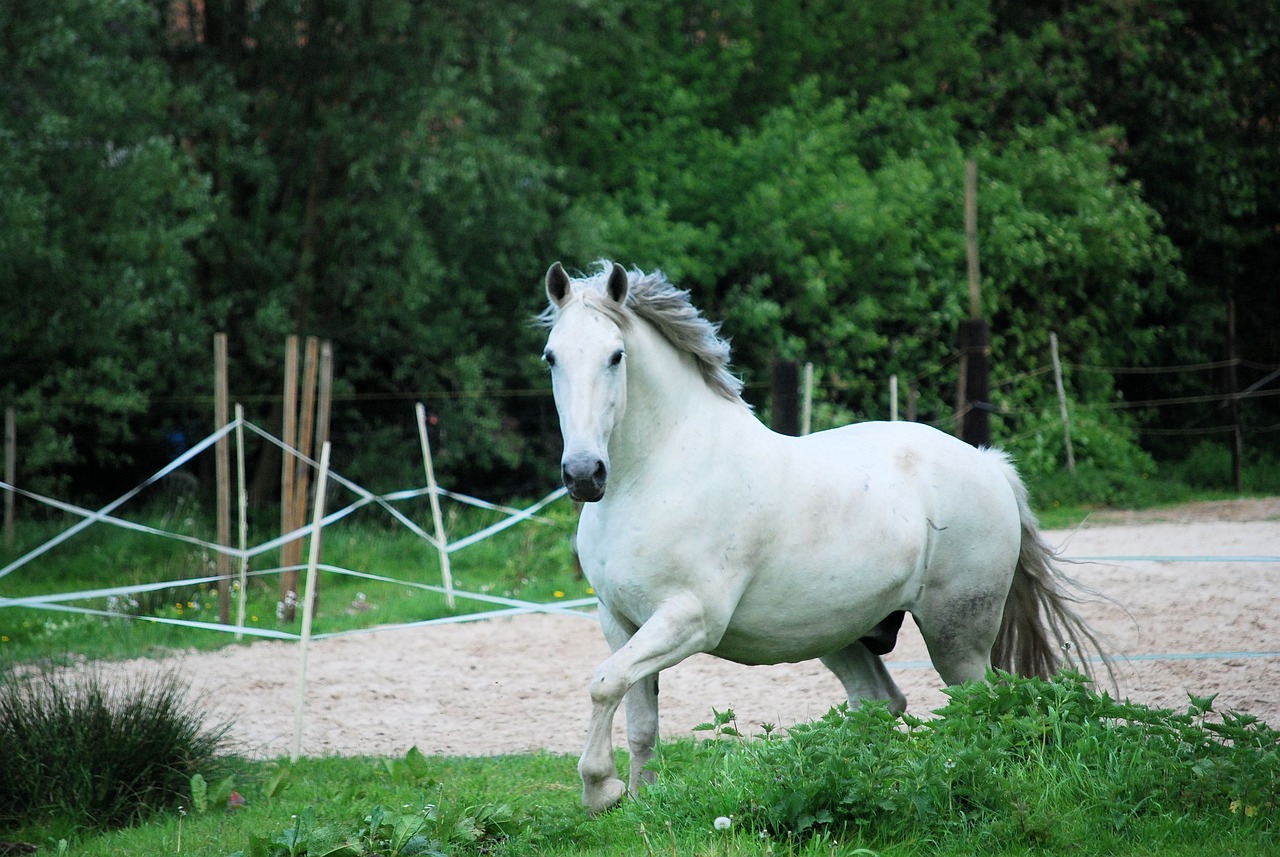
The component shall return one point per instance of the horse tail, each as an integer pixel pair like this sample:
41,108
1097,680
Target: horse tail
1041,629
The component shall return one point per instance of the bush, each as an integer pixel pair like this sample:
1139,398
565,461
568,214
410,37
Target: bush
1044,762
82,754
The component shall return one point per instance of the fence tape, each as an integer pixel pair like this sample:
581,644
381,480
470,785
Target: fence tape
120,501
507,606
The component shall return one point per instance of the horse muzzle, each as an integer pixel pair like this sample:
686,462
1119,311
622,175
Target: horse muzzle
585,476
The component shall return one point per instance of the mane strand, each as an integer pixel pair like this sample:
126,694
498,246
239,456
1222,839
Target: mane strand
670,310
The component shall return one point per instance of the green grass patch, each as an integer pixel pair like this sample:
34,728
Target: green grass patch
1016,766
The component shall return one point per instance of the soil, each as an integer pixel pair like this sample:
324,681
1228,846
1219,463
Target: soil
518,684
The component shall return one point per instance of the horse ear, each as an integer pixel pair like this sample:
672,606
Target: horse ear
557,284
618,284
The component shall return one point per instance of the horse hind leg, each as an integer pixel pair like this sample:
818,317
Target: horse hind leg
864,676
959,632
642,730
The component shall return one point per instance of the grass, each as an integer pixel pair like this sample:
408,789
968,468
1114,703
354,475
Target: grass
81,753
1013,767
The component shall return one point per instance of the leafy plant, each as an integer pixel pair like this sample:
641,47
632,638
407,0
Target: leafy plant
427,831
1031,761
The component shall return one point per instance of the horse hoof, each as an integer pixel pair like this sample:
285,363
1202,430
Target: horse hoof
603,797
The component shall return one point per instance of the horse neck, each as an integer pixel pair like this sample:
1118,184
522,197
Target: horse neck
667,399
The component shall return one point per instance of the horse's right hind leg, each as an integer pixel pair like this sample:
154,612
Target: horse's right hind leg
864,676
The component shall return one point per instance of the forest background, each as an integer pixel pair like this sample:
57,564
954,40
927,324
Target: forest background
395,176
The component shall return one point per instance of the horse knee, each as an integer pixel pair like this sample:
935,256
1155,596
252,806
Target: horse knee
606,688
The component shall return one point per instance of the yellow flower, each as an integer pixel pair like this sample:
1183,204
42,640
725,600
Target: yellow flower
558,594
591,591
1249,811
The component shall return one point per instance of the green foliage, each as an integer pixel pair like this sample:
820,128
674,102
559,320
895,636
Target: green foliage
1050,751
101,204
424,832
394,176
833,233
427,829
1019,762
86,753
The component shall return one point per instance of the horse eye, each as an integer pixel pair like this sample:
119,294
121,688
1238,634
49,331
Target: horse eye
549,357
617,357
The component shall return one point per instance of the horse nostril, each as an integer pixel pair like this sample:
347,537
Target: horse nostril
585,476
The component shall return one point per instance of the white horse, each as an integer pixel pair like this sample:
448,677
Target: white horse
704,531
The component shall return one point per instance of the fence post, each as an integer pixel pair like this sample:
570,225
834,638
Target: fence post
222,466
442,539
290,552
1062,401
308,599
10,469
1233,382
806,403
973,411
243,519
786,394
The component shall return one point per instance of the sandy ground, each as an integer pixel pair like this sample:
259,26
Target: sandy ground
517,684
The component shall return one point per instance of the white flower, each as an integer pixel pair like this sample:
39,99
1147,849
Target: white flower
724,822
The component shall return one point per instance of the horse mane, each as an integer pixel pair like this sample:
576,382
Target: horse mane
669,309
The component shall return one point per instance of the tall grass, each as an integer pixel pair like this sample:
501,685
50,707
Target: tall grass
82,752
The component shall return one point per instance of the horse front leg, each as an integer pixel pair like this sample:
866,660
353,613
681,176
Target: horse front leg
674,632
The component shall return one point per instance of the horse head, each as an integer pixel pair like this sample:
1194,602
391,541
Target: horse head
587,358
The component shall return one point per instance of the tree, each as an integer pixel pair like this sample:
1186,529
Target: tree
101,205
380,181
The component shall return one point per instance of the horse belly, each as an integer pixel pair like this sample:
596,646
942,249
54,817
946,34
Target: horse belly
812,609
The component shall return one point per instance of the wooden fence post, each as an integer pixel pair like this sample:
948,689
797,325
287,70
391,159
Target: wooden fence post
1062,401
290,552
973,411
222,466
442,538
786,394
806,402
308,599
243,518
10,469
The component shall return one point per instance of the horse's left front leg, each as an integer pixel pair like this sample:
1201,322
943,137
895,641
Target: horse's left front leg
676,631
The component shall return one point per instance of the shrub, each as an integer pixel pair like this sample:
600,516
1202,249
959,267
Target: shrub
80,753
1045,763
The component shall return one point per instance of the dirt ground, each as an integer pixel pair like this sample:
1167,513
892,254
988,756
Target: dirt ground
513,685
